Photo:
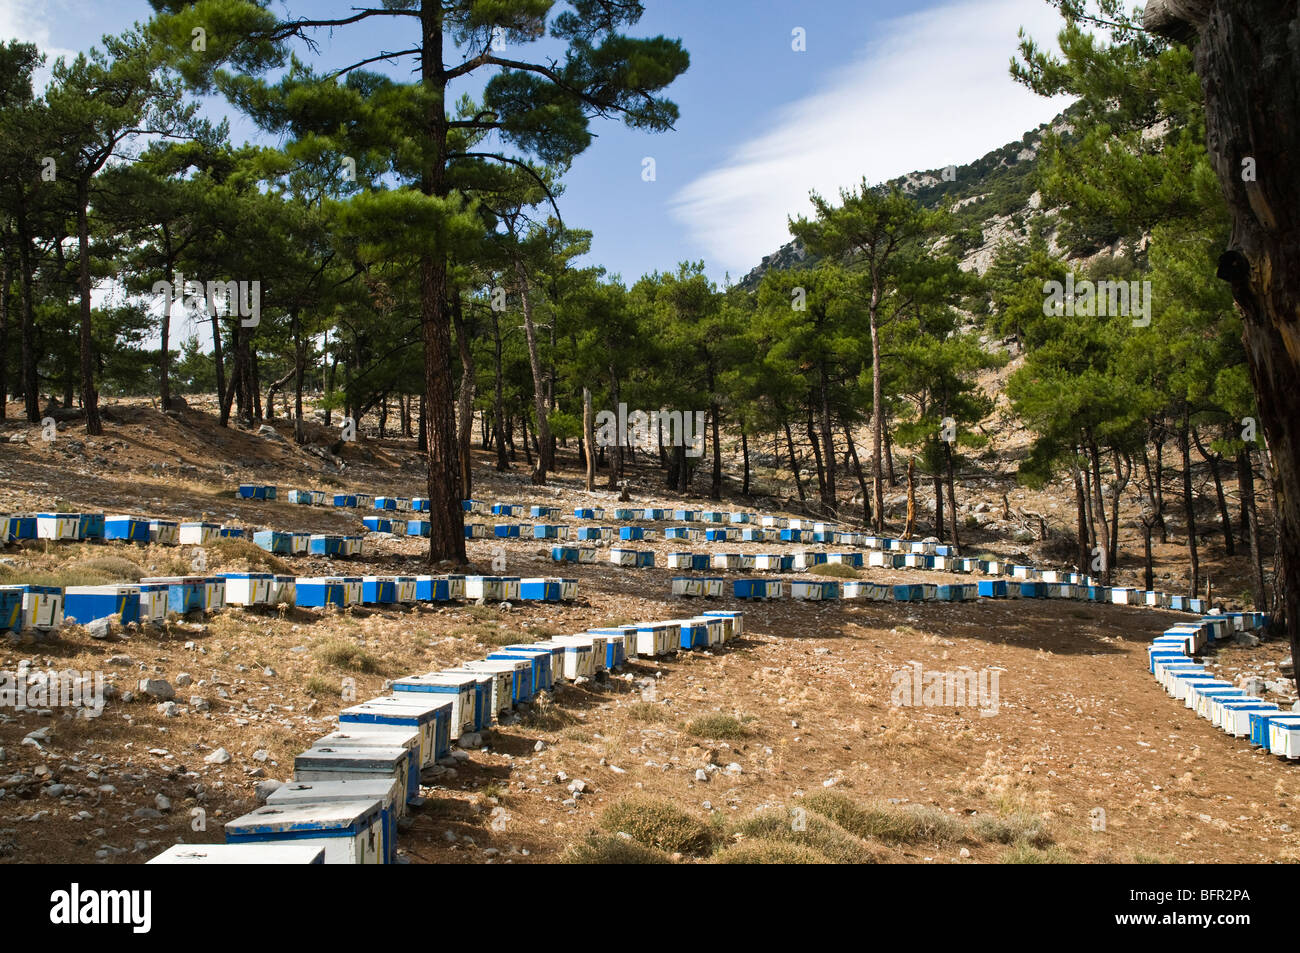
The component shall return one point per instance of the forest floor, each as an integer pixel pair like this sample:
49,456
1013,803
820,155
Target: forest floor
798,707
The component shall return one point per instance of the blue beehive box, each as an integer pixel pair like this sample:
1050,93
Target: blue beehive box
378,590
506,530
88,603
184,593
430,717
539,659
461,690
545,590
378,524
563,554
908,593
549,531
749,588
699,560
538,511
420,504
345,499
11,608
677,532
350,832
385,503
791,535
252,491
695,634
322,544
274,541
586,533
132,529
993,588
90,526
419,528
685,516
504,509
715,535
431,589
1259,722
302,497
475,531
1033,590
387,792
21,527
585,513
315,592
631,532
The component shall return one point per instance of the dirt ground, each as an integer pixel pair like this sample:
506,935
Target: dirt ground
1080,724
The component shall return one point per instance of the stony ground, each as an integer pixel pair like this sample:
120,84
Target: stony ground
799,706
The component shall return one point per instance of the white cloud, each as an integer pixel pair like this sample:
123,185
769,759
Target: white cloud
30,21
933,90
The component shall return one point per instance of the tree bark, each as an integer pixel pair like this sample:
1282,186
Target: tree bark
89,396
1249,64
27,280
446,513
1189,503
794,463
544,463
744,453
862,480
1250,520
465,400
589,438
1225,520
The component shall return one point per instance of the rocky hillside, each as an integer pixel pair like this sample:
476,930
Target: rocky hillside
992,199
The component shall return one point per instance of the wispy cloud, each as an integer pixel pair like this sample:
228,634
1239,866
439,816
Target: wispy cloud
933,90
30,21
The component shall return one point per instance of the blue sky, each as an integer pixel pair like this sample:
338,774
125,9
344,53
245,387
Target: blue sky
881,89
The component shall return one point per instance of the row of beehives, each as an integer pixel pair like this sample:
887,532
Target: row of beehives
821,590
95,527
366,501
43,608
350,787
1232,709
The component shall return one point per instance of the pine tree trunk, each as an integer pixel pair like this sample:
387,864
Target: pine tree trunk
952,496
862,480
446,513
589,438
1081,506
1189,504
1250,520
1225,521
27,281
794,463
828,440
465,400
544,463
6,279
715,483
744,453
1247,56
89,396
498,402
877,402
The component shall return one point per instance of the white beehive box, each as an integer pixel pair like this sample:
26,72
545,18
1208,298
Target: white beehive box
579,659
351,832
687,586
277,853
460,691
500,700
248,588
389,794
199,534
